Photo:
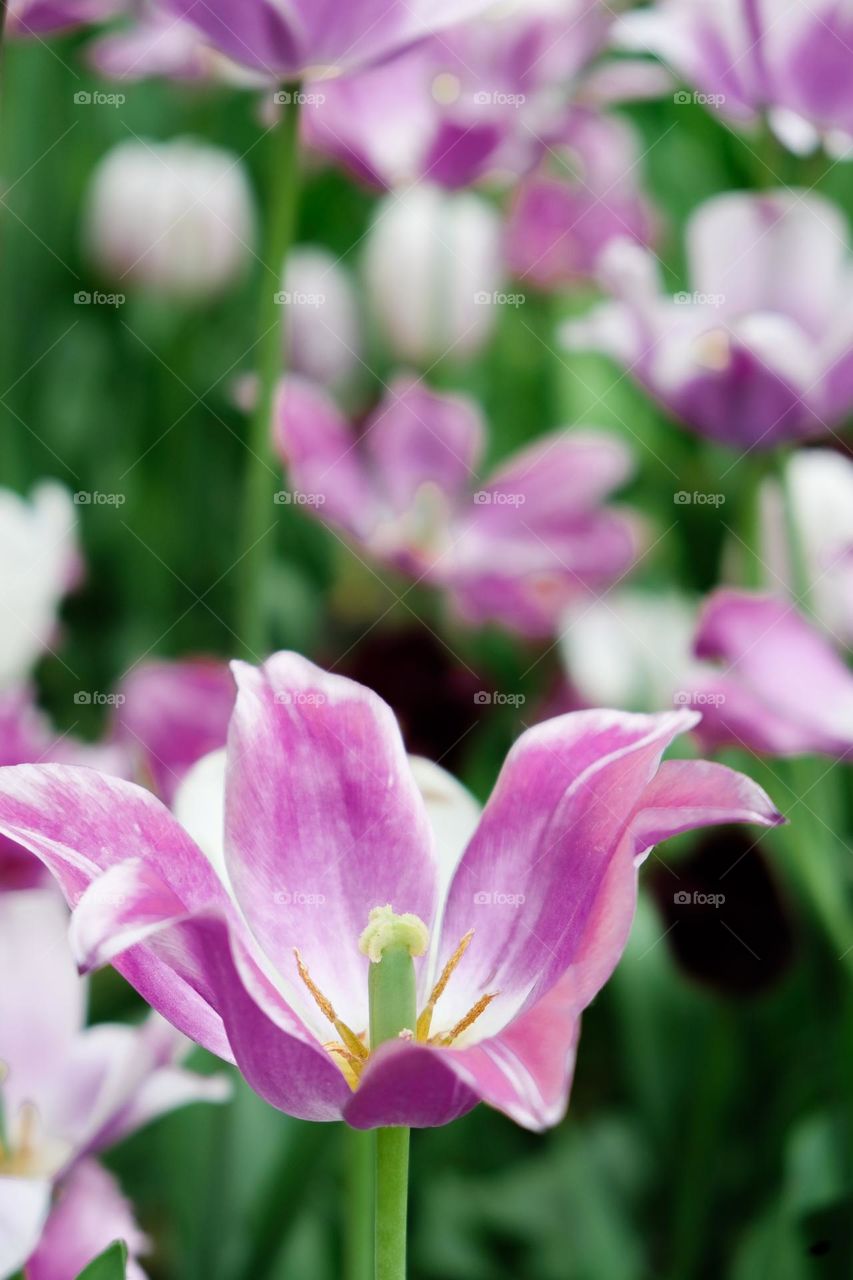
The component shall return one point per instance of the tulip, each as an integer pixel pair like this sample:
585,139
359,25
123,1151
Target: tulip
69,1092
156,43
433,269
820,486
760,352
44,17
747,57
559,224
39,564
363,941
515,547
175,218
782,690
302,39
322,320
480,100
169,715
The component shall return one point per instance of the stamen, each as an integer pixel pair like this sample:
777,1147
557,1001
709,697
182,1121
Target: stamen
425,1018
470,1018
350,1039
349,1064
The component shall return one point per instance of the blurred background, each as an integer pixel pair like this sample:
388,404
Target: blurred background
705,1136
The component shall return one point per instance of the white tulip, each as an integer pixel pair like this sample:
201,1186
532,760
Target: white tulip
322,316
433,267
39,561
176,218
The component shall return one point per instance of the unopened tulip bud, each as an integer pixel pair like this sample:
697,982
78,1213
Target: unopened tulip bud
322,316
433,269
173,217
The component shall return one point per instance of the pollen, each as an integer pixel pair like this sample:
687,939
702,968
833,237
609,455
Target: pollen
468,1021
386,929
425,1018
353,1046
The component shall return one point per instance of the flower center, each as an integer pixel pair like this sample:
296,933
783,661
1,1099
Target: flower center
21,1152
390,942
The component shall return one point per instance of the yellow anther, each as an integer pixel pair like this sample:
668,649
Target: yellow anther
353,1044
425,1018
470,1018
348,1063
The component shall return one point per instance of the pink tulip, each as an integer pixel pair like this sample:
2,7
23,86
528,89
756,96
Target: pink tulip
514,546
259,946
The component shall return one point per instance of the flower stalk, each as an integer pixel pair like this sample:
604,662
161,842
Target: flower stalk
261,472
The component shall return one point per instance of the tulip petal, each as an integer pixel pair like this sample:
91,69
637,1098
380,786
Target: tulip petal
321,453
24,1206
784,687
530,880
89,1214
324,822
43,1010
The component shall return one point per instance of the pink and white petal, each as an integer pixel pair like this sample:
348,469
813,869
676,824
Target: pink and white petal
525,1072
323,820
199,806
89,1214
687,794
531,879
320,451
24,1207
42,1000
419,437
560,476
763,641
279,1056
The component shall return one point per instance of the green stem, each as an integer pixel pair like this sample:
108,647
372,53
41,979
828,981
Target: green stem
261,472
393,1009
392,1188
361,1203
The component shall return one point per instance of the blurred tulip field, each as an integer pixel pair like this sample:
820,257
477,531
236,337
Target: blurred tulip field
491,362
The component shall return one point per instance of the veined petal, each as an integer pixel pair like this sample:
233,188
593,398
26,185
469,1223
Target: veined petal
531,878
324,821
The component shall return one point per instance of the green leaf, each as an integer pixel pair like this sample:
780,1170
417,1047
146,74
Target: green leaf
109,1265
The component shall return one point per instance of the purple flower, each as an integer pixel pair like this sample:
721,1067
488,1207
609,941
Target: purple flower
482,99
760,352
259,947
745,57
560,222
782,689
42,17
306,38
515,547
69,1092
169,715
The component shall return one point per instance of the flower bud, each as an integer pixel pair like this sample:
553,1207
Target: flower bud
173,217
433,268
322,316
